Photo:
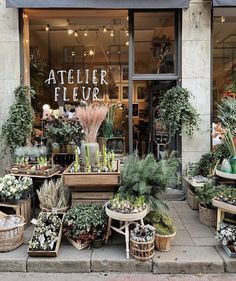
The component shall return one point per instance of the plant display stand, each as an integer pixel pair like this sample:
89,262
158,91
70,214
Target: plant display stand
20,207
223,208
128,219
227,176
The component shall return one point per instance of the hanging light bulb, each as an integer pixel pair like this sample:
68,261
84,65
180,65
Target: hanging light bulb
76,33
126,32
127,43
85,54
86,33
70,31
91,52
47,28
104,29
112,33
222,18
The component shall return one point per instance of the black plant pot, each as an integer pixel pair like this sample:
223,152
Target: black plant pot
97,243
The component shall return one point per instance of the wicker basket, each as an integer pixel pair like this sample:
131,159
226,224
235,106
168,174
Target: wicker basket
61,210
12,238
207,216
142,251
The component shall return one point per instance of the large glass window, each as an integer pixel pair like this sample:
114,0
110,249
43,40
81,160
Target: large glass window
224,54
154,42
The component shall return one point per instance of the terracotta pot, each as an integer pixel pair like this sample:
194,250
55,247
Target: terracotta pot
163,242
207,216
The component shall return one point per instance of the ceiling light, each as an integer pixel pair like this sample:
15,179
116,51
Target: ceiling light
222,18
104,29
91,52
70,31
86,33
112,33
127,43
47,27
76,33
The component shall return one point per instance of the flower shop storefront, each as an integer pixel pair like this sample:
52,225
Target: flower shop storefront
126,58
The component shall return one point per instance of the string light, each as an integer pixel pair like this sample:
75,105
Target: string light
86,33
104,29
76,33
91,52
112,33
47,27
222,18
126,32
70,31
127,43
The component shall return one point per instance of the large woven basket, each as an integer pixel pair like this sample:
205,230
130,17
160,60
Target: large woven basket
142,251
207,216
12,238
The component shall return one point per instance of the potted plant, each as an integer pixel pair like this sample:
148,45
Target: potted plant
164,229
148,178
179,113
142,242
232,150
53,195
18,126
47,235
205,195
12,187
227,236
83,223
91,118
225,199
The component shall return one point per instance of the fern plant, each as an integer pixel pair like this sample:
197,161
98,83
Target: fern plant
148,178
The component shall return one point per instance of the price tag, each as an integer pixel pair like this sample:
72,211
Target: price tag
34,221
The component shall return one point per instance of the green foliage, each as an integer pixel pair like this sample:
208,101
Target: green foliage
64,132
148,178
208,160
230,84
162,222
85,221
226,113
229,143
177,111
18,126
206,193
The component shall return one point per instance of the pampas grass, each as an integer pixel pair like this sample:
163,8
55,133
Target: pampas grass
91,118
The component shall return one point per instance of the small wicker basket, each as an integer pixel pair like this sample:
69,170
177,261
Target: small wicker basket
11,238
207,216
142,251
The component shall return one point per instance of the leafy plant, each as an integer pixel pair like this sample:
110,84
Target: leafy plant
64,132
147,178
53,194
230,144
18,126
175,111
206,193
142,233
227,195
226,113
226,234
85,222
161,221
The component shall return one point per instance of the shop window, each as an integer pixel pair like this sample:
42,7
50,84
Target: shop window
154,42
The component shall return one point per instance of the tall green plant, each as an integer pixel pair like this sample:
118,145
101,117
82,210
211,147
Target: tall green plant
226,113
175,111
230,144
19,123
148,178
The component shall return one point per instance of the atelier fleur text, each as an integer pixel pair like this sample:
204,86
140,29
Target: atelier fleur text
85,83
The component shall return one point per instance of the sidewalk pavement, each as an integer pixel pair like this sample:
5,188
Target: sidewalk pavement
194,251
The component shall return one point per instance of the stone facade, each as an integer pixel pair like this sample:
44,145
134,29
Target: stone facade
196,75
9,61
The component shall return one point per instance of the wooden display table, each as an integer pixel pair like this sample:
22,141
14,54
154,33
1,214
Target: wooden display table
128,219
223,208
227,176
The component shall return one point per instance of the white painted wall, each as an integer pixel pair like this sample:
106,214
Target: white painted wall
9,62
196,74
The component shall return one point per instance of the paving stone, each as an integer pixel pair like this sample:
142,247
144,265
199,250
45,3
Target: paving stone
69,260
28,235
182,206
113,258
182,238
14,261
188,260
189,217
178,224
198,230
208,241
229,263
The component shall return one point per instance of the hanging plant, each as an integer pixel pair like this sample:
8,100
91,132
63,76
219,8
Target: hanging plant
18,126
175,111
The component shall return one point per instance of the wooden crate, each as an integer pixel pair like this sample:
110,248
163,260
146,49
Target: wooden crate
20,207
53,253
192,201
88,197
75,181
